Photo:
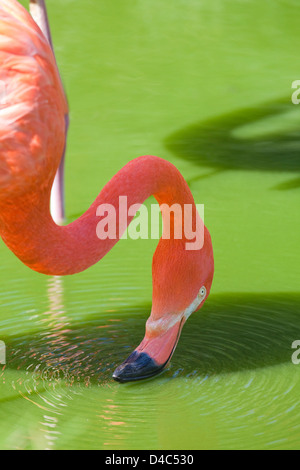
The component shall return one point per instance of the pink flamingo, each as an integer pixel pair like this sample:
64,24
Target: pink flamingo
32,141
39,13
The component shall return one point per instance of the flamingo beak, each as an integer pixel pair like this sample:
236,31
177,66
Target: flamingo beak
151,356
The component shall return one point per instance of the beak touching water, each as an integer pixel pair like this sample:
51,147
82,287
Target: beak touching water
151,356
160,341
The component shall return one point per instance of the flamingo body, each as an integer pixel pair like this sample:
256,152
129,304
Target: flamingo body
32,119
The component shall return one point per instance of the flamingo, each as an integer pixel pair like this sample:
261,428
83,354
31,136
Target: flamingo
32,142
39,13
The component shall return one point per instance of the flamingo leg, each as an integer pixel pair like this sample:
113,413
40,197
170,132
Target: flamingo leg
38,12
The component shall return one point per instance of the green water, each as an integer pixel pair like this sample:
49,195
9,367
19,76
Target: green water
207,85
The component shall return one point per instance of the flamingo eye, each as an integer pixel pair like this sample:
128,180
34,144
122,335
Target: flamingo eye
202,292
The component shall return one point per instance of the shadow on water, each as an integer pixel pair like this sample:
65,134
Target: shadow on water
266,137
232,333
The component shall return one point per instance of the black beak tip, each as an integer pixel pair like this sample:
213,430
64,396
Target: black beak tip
138,366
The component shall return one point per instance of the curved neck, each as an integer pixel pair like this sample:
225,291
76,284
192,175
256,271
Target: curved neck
29,231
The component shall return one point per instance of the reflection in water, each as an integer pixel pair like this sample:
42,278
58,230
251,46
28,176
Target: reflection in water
41,375
264,137
221,382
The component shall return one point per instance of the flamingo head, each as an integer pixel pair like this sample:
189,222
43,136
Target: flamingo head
181,284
